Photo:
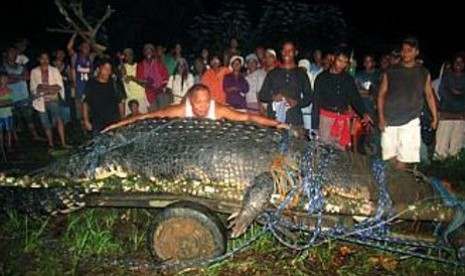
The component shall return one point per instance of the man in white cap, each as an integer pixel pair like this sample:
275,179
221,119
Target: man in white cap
255,77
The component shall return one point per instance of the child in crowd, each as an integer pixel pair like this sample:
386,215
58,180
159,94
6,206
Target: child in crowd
133,106
6,116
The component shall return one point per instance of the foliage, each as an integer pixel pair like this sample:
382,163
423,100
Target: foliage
215,30
311,25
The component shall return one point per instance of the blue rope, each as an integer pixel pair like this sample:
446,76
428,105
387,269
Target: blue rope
450,201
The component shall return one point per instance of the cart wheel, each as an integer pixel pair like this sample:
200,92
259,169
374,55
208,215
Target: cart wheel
186,232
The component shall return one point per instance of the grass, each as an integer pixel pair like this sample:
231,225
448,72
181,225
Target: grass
93,234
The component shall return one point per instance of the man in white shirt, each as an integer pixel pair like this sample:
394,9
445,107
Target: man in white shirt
47,86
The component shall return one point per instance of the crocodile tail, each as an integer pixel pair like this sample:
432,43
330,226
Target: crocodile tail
43,201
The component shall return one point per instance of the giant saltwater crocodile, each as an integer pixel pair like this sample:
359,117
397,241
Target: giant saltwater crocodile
220,160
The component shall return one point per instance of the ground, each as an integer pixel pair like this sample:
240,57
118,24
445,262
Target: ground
113,242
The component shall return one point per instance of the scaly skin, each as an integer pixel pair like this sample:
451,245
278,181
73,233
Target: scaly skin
212,159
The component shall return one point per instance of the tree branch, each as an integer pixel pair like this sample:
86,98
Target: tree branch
77,9
63,31
107,15
62,9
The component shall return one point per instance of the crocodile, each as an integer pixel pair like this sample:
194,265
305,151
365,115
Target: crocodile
220,160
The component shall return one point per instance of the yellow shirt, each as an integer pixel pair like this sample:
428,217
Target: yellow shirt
133,89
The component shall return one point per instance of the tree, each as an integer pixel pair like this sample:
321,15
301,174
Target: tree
312,25
86,26
215,30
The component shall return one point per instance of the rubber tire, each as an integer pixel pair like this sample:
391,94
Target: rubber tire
211,225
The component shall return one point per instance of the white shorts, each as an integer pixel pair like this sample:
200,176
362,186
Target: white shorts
402,142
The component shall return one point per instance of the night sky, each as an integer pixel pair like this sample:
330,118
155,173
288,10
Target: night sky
438,27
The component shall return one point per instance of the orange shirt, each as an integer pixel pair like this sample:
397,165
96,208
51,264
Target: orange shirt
214,81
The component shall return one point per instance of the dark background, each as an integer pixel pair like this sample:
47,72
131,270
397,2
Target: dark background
439,26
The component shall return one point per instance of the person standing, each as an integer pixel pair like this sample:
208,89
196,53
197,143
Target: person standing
152,73
67,105
6,116
47,83
213,78
133,86
18,76
450,136
403,89
102,102
335,95
255,77
235,85
81,69
286,89
180,81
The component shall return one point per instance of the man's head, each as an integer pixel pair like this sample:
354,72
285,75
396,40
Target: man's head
182,67
340,62
43,58
384,61
160,50
105,68
233,43
199,66
177,49
260,53
85,48
252,62
148,51
200,99
236,63
128,55
205,54
270,58
289,52
458,65
21,45
133,106
328,60
215,62
60,54
317,56
11,54
410,49
369,62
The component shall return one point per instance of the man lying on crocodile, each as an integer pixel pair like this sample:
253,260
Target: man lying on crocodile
200,104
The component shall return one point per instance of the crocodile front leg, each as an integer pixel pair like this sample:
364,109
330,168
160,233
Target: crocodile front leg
255,201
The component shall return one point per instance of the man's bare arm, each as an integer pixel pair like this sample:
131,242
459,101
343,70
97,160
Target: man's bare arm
70,45
230,114
381,98
85,116
174,111
431,100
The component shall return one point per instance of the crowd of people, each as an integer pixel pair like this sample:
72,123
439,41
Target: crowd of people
323,95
